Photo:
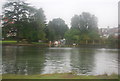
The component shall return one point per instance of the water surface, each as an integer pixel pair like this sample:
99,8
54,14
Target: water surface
82,61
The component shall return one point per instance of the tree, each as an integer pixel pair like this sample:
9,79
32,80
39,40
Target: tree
35,30
72,36
87,26
57,29
88,22
75,22
112,40
16,12
28,21
40,20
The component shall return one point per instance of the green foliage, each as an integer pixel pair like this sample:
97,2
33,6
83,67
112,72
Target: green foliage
8,42
112,40
60,76
84,28
56,29
88,22
72,36
28,22
75,22
94,35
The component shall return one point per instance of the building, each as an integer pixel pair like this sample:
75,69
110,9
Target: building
106,32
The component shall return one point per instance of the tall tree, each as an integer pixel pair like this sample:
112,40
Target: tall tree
86,23
16,12
40,21
88,27
75,22
57,29
29,22
35,29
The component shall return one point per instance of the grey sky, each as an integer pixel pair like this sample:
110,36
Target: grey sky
105,10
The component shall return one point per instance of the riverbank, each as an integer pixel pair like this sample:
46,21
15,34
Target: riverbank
59,76
42,44
14,43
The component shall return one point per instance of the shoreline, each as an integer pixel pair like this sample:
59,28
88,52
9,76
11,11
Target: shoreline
46,45
22,44
59,76
43,44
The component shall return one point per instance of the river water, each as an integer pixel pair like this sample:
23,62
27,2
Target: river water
82,61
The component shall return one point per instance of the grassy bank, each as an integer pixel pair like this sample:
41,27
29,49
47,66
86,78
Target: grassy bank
8,42
59,76
42,44
13,42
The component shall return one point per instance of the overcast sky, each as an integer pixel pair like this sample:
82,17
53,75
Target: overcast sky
105,10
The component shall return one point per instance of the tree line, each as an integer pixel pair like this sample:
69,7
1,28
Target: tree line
22,21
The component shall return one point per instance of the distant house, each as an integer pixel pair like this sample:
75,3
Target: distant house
114,32
106,32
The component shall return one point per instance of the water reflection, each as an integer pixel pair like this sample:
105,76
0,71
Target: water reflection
9,59
35,60
57,60
82,60
23,60
106,61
